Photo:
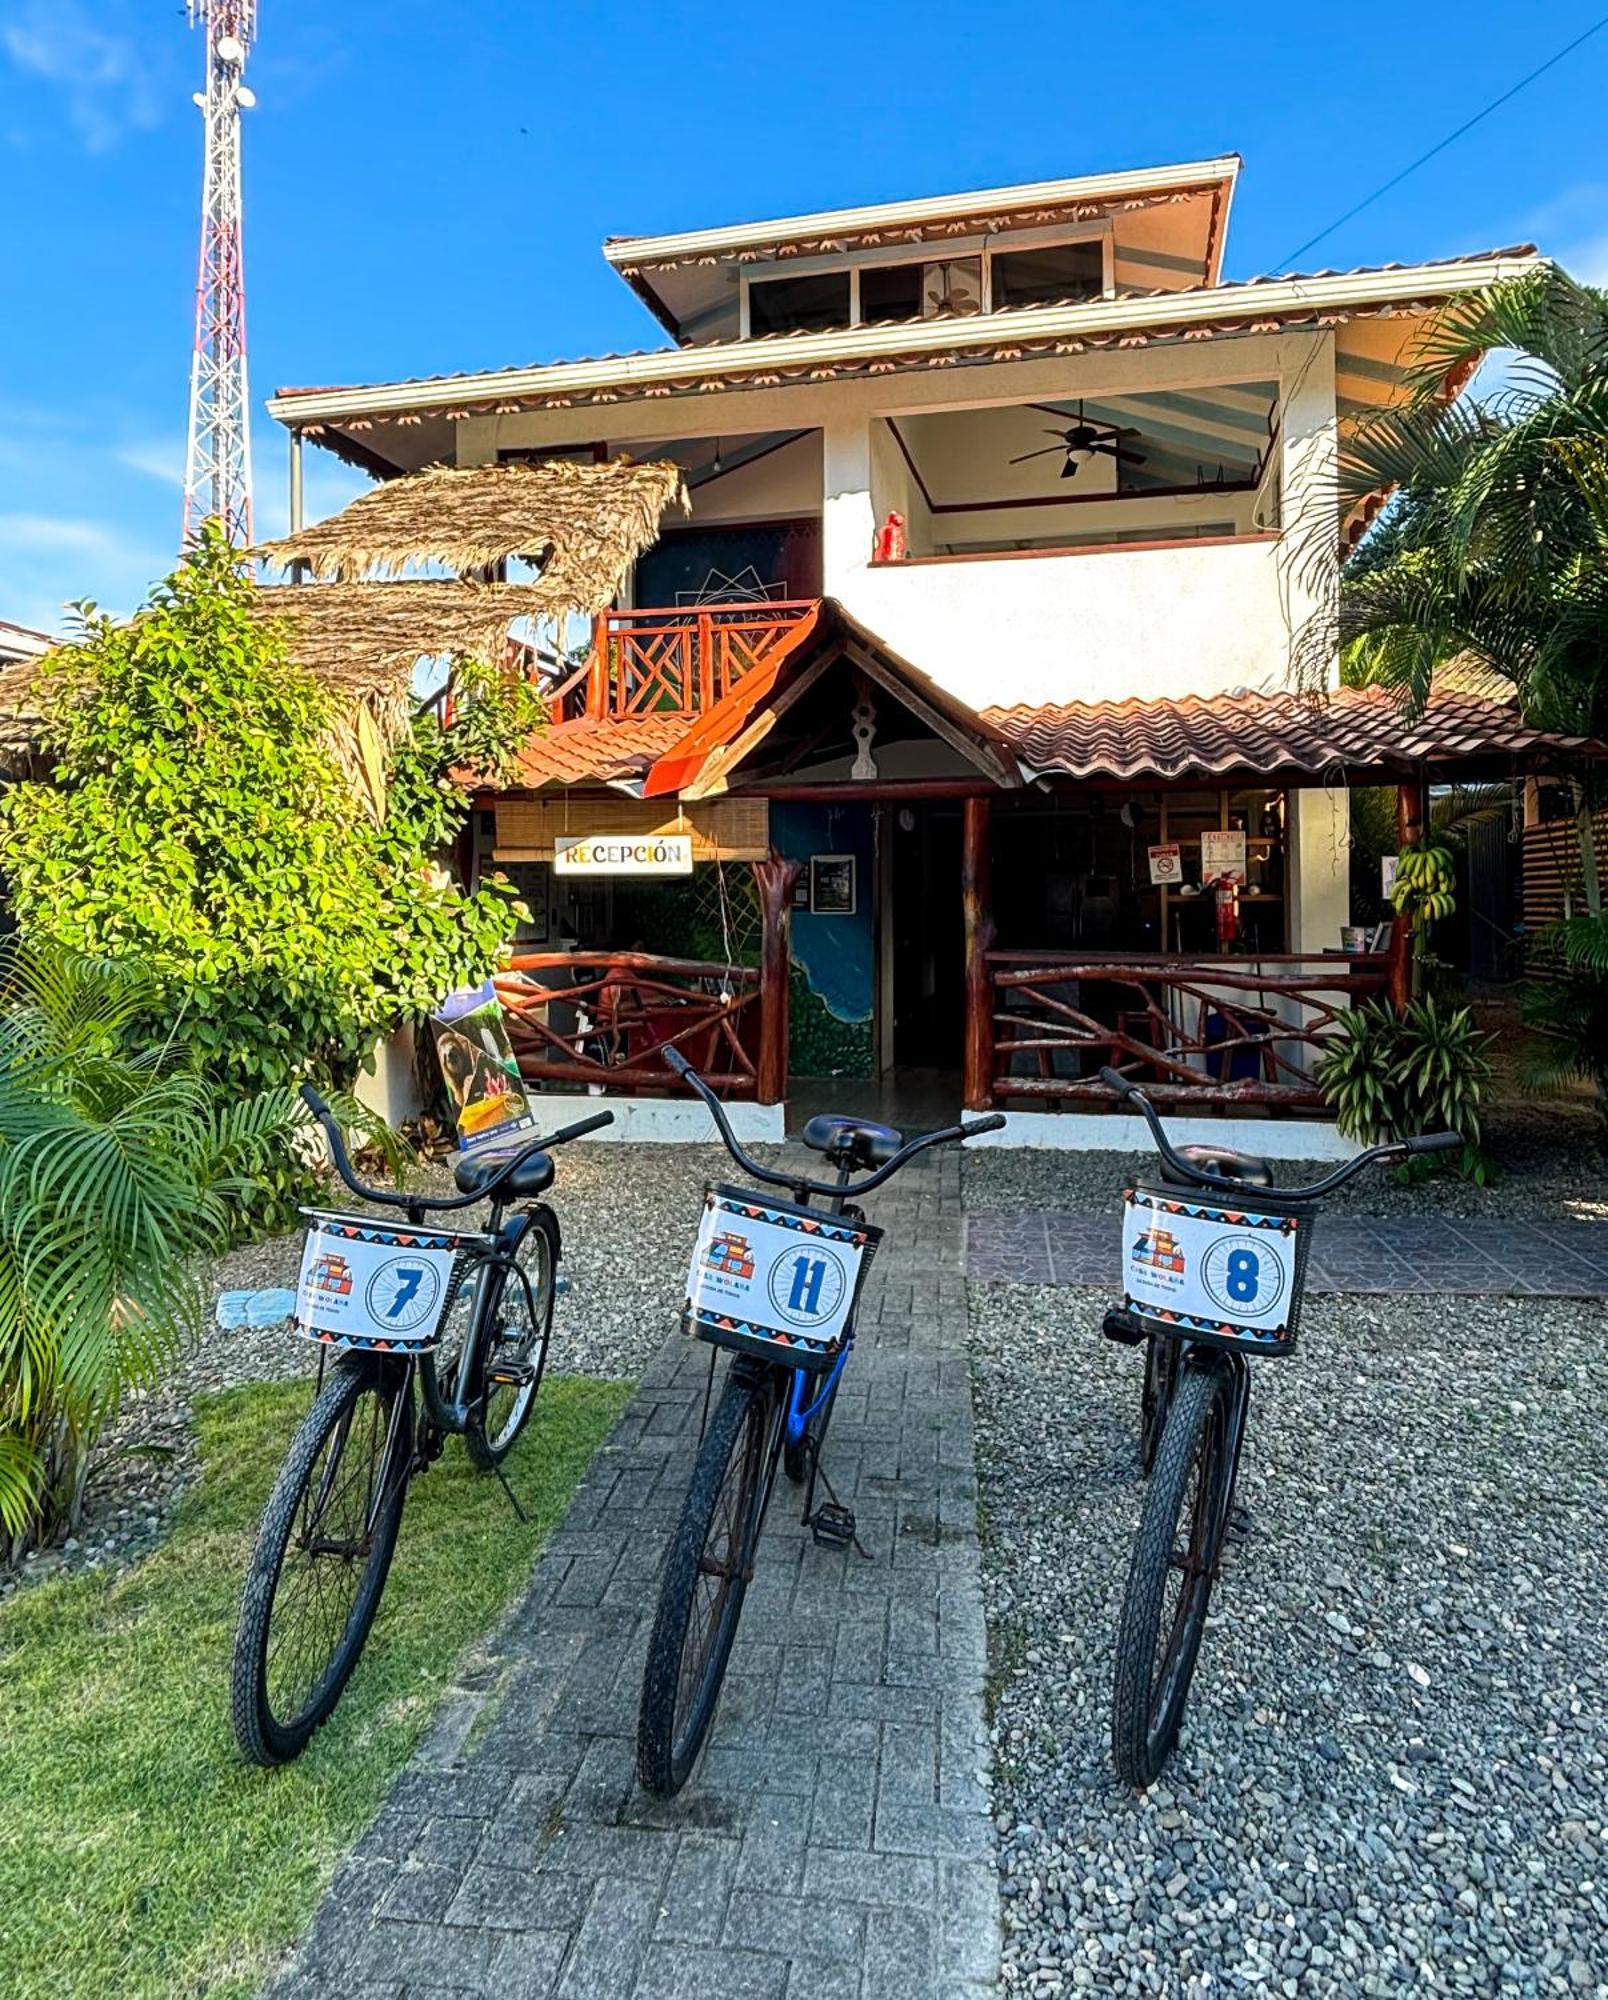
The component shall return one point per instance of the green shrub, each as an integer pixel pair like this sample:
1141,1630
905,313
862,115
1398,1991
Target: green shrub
1388,1077
1566,1010
116,1164
196,819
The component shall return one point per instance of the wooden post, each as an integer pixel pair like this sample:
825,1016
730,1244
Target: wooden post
1409,828
774,879
977,907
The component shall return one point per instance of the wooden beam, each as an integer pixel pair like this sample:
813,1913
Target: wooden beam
977,910
774,879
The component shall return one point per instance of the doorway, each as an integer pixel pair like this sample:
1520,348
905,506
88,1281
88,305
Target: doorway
923,943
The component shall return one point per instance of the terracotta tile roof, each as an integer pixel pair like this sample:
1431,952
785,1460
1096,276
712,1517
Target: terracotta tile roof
1268,735
595,752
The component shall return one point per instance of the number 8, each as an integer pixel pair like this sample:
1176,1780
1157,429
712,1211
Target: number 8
1244,1275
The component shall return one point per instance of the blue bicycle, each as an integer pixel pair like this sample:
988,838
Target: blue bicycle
776,1283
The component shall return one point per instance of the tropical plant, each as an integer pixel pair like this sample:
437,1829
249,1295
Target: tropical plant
1388,1076
197,817
117,1164
1425,889
1566,1011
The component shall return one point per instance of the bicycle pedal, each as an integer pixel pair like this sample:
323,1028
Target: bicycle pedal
1238,1527
833,1524
510,1374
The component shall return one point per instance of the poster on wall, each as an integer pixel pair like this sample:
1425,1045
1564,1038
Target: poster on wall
1167,862
832,885
484,1089
1222,853
1387,875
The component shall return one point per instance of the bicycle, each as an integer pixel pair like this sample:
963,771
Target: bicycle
776,1283
464,1317
1207,1286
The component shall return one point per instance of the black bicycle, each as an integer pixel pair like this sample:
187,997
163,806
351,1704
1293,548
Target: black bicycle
776,1283
464,1319
1208,1282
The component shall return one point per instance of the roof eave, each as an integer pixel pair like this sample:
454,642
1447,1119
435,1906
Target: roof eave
1162,311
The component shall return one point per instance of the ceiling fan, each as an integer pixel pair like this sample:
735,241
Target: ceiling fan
1083,440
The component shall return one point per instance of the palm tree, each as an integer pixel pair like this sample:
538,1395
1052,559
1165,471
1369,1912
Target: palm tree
117,1162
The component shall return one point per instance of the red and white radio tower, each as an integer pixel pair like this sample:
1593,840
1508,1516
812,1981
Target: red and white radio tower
217,471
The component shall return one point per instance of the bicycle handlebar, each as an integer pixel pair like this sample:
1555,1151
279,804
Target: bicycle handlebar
969,1129
1398,1149
389,1199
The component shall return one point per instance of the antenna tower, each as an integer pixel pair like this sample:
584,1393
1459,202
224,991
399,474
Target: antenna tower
217,471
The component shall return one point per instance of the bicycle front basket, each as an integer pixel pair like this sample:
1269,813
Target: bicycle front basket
374,1287
774,1279
1200,1267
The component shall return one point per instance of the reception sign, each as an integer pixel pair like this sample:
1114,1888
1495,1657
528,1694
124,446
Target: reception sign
622,854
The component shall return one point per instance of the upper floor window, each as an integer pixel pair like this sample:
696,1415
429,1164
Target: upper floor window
810,303
1046,276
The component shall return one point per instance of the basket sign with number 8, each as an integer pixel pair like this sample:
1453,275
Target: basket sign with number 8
1209,1269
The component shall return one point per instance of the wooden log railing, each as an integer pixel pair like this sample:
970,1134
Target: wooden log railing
605,1019
680,662
1193,1031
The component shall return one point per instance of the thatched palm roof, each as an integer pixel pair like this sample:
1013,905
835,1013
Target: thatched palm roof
584,524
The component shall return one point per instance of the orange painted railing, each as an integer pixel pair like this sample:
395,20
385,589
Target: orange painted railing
680,662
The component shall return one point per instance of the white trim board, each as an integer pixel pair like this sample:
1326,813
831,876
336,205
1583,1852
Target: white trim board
660,1120
1113,1132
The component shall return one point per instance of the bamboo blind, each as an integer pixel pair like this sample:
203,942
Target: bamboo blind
721,829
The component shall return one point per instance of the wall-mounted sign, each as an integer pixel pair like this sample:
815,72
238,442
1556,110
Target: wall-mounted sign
1167,863
1222,853
622,854
832,885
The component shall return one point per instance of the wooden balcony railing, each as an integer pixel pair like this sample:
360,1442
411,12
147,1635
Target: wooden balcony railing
1193,1031
605,1019
675,662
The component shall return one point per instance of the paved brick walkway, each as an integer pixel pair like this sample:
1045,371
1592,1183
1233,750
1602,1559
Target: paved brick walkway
1428,1253
835,1842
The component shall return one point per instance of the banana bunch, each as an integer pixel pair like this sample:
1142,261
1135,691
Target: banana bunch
1425,885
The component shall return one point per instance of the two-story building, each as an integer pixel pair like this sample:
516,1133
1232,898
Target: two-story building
1006,515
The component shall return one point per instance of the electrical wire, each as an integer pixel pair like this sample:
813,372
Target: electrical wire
1451,137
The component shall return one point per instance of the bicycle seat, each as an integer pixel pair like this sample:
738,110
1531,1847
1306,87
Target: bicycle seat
533,1175
1222,1161
853,1142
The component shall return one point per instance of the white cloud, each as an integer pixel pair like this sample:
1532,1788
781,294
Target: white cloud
110,87
158,458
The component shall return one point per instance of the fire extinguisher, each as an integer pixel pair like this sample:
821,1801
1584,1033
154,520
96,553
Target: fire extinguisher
1227,913
889,542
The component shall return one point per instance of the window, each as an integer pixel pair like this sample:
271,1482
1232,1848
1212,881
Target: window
890,291
1044,277
812,304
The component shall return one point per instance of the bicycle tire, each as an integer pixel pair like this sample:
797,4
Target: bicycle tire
489,1442
1157,1654
264,1732
680,1690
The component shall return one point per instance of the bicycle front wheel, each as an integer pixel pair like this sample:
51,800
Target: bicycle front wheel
322,1555
515,1326
1174,1565
706,1576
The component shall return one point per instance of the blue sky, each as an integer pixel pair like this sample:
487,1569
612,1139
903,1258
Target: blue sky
427,185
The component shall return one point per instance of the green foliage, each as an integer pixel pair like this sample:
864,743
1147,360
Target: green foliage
1425,889
1388,1077
117,1163
189,1872
1496,544
197,820
1566,1011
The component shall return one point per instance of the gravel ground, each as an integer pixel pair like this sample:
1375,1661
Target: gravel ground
628,1214
1551,1162
1393,1773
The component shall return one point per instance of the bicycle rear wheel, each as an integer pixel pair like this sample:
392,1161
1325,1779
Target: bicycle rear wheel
706,1575
1174,1565
322,1555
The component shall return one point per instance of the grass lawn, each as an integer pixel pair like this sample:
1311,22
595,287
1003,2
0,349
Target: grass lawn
138,1855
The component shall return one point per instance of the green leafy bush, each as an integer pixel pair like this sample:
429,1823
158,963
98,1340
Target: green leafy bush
1396,1077
117,1162
196,819
1566,1010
